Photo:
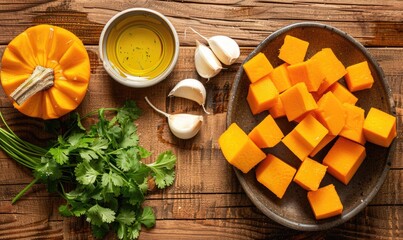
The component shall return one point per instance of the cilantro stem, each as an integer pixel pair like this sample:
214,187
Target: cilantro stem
24,190
20,156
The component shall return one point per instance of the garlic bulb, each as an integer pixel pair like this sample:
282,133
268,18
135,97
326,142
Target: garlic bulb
225,48
207,64
182,125
191,89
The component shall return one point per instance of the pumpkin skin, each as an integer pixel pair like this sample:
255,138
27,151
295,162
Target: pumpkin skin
50,47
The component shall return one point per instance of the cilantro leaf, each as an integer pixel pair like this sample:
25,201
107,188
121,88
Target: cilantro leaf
163,169
98,215
130,137
111,182
144,153
60,154
132,194
48,169
85,174
133,231
88,154
74,139
129,112
128,159
121,232
147,217
126,217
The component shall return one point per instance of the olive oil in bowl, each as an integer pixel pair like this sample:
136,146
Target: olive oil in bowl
139,48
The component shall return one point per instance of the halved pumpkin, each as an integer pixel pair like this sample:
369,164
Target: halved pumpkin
45,71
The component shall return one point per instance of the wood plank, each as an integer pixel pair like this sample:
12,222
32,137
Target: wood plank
373,223
248,21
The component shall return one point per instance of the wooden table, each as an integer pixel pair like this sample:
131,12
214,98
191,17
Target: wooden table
206,200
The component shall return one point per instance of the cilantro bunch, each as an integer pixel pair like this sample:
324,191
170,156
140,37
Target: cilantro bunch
98,171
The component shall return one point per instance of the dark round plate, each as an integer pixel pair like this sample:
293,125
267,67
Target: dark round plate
293,210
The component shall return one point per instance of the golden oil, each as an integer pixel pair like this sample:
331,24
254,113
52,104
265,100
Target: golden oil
140,46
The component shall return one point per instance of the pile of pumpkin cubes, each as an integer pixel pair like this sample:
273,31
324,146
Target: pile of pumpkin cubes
307,92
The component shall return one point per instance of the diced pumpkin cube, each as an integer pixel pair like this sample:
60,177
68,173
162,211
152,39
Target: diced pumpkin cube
267,133
305,137
331,113
293,50
325,202
293,142
344,159
257,67
280,77
311,130
310,174
308,72
330,66
297,100
359,77
343,94
262,95
275,174
277,110
379,127
239,149
354,123
323,143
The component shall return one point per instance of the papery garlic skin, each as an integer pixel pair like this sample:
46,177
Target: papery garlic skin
225,48
207,64
185,126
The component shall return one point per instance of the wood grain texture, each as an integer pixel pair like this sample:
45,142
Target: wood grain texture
374,23
206,201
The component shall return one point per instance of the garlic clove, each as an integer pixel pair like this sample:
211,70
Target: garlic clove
207,64
185,126
191,89
182,125
225,48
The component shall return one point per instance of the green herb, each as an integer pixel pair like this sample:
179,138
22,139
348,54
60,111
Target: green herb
102,165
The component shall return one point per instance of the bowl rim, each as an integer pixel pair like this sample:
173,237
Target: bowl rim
319,226
108,67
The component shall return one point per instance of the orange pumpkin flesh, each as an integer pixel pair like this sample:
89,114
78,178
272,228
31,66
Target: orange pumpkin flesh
49,47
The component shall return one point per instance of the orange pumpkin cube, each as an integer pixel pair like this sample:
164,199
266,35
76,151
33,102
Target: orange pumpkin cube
379,127
308,72
325,202
344,159
343,94
305,137
359,77
331,113
293,50
275,174
297,100
310,174
311,130
277,110
354,123
262,95
280,77
239,150
257,67
330,66
267,133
